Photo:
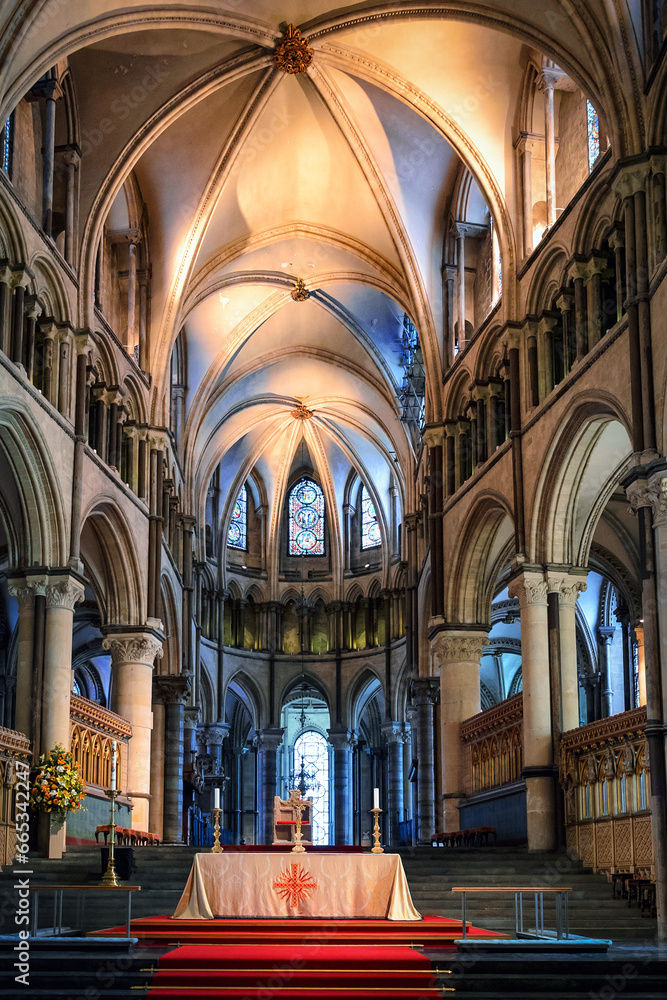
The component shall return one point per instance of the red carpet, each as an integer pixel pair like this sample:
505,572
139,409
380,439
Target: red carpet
285,973
431,932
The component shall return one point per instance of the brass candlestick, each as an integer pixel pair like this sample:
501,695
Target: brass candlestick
217,846
110,876
298,807
376,849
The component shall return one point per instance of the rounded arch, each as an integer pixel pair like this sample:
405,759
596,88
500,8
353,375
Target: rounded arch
31,502
108,551
589,453
485,547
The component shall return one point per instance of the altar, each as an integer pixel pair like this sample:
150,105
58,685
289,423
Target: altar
296,885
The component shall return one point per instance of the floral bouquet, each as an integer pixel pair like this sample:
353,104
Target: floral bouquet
57,785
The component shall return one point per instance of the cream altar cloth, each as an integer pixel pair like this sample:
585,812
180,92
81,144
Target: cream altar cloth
296,885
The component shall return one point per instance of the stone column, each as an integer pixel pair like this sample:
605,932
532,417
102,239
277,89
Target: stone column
26,590
156,812
395,737
546,82
617,243
595,268
33,312
269,741
51,91
648,499
568,590
131,299
658,206
72,158
20,280
5,299
538,769
61,593
348,511
143,320
425,693
343,742
133,652
564,302
580,319
545,352
459,232
457,656
449,299
526,146
605,636
173,690
641,663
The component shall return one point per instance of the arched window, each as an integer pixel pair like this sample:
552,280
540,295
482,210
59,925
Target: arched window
237,536
370,529
593,123
306,519
312,751
6,144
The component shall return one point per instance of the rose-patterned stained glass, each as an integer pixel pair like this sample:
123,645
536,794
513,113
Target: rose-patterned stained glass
306,519
370,529
593,135
237,536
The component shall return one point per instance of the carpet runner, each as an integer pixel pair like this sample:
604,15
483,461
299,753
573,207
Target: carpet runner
322,971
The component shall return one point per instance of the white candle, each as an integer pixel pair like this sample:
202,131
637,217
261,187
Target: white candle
216,798
376,798
114,753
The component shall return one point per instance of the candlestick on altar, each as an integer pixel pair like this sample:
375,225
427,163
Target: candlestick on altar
376,849
114,760
298,806
110,876
376,798
217,846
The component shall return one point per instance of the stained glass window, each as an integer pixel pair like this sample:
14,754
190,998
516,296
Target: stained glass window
306,520
370,529
237,536
593,135
312,750
7,141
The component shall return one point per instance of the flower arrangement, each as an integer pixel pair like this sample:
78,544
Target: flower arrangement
57,785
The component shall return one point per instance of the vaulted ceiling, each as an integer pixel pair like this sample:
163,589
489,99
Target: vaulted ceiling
340,176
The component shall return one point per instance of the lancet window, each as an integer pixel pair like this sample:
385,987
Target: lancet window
370,529
306,519
593,123
237,535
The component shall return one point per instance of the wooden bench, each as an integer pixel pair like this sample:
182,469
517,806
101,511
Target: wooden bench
124,836
538,893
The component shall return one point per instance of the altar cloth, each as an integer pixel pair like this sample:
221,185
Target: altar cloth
296,885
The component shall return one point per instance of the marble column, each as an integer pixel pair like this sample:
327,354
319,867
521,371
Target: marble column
457,656
395,737
343,742
460,233
133,652
425,694
131,299
568,589
538,765
527,145
269,742
173,691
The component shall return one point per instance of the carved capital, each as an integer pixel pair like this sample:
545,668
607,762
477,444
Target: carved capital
630,180
457,647
567,587
133,647
171,689
394,732
342,739
214,736
529,589
268,740
63,593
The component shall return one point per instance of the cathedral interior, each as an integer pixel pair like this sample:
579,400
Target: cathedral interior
335,456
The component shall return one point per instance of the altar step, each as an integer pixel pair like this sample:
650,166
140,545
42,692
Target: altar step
431,873
324,973
432,932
